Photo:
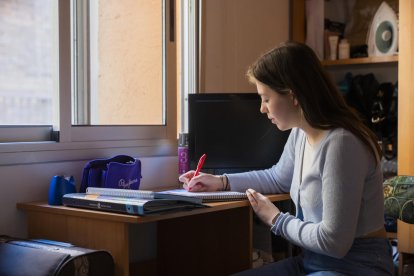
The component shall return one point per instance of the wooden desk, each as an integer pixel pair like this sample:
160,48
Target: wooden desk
207,241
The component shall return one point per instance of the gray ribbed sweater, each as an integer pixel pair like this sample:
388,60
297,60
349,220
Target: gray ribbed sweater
341,196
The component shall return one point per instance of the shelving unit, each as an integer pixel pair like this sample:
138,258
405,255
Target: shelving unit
385,68
363,60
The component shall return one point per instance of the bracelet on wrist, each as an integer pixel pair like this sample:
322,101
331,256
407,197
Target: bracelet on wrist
222,182
275,218
227,183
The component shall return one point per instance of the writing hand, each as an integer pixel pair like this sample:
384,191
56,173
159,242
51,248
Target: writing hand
262,206
186,177
201,183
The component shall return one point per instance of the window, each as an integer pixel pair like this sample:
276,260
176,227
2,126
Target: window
125,57
28,62
88,74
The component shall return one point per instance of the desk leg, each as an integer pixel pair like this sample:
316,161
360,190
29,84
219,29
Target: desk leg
218,243
84,232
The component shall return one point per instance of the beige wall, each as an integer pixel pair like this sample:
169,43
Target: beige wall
130,62
234,34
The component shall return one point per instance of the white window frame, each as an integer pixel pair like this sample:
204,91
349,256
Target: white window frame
190,29
36,145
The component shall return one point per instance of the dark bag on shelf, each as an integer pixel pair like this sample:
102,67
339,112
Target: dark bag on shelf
361,95
44,257
377,103
121,172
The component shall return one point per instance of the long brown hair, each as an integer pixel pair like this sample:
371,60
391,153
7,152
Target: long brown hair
295,67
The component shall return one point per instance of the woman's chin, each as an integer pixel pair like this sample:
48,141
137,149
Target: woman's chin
281,127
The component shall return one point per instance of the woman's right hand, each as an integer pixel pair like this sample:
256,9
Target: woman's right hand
203,182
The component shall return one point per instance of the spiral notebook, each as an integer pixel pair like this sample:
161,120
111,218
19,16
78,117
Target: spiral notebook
177,194
208,196
141,194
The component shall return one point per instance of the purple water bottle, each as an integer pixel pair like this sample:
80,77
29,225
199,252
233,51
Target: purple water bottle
182,153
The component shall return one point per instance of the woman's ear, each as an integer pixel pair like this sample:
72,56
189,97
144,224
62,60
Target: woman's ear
294,99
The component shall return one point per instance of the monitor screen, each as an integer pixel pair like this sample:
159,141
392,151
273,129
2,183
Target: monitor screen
230,129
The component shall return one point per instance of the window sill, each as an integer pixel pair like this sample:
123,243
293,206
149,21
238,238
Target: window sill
43,152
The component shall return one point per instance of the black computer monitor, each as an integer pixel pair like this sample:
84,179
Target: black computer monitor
231,131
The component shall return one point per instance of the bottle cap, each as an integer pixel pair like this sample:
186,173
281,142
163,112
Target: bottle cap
183,139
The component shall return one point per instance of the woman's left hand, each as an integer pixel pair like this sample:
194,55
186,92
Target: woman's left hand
262,206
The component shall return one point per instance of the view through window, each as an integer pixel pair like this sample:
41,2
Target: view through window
28,62
126,58
120,79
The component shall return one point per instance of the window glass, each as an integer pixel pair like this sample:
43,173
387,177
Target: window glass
28,62
76,71
124,65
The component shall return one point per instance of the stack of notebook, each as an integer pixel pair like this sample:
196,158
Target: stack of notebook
141,202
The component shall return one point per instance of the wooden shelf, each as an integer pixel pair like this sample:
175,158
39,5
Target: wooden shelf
364,60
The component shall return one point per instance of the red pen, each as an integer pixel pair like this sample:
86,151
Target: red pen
200,164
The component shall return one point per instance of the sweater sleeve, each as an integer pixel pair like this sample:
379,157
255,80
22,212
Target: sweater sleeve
276,179
345,166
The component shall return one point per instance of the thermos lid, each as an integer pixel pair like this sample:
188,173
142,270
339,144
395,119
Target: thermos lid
183,139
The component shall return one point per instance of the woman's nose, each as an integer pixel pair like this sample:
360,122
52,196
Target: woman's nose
263,108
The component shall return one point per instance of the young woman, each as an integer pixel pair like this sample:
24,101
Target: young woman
330,166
